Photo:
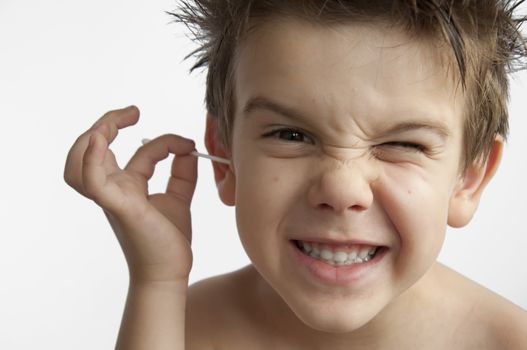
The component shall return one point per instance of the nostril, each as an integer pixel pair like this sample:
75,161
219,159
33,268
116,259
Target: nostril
340,192
356,207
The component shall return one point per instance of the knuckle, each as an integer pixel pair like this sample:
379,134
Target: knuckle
91,191
74,183
79,139
106,117
68,179
69,175
109,114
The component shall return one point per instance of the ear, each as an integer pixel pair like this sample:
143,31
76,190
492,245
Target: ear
465,198
223,174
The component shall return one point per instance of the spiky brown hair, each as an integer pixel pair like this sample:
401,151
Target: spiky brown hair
483,36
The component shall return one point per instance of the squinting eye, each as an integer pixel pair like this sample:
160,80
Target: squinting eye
406,146
289,135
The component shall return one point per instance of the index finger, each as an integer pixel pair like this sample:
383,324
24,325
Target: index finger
144,160
108,125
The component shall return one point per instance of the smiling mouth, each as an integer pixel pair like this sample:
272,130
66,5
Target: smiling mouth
338,256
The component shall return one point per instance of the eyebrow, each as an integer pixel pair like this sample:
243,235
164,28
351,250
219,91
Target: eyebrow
437,128
262,103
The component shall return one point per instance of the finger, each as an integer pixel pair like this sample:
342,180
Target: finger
143,162
183,178
110,123
108,126
94,173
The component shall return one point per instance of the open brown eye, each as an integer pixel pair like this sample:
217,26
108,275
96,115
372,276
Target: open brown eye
290,135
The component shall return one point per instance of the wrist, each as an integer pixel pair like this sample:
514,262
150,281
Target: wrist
173,284
158,275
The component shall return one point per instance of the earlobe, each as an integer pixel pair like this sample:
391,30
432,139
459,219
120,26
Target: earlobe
223,174
465,198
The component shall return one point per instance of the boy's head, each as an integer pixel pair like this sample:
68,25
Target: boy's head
479,40
357,132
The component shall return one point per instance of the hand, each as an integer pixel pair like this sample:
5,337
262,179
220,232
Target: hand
154,231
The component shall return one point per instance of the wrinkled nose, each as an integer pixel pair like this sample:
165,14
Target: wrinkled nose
342,187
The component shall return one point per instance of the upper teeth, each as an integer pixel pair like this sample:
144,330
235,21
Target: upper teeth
338,256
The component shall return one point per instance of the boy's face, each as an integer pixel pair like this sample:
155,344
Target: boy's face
348,135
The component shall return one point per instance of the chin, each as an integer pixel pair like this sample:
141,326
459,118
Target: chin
339,324
335,318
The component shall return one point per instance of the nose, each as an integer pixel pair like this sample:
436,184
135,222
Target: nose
342,186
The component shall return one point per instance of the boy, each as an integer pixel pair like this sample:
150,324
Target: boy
356,132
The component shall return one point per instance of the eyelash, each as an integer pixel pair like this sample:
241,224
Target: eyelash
407,146
276,133
410,146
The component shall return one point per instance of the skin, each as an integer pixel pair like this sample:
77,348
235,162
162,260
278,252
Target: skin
354,94
349,87
153,230
372,155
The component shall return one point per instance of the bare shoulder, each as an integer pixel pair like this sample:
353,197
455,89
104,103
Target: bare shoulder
489,319
217,310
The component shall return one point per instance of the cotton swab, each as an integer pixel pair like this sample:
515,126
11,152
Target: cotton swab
198,154
213,158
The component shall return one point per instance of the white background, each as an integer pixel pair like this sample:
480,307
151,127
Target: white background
62,65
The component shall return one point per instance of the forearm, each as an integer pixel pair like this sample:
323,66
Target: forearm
154,317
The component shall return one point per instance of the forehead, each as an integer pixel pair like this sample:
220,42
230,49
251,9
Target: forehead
332,68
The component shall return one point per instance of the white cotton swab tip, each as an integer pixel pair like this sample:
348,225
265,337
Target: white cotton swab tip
198,154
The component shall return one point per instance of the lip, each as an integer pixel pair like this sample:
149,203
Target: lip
337,242
343,275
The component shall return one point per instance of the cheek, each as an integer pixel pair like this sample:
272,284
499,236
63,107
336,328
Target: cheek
266,189
417,208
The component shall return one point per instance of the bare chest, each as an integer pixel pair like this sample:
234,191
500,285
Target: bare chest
233,335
